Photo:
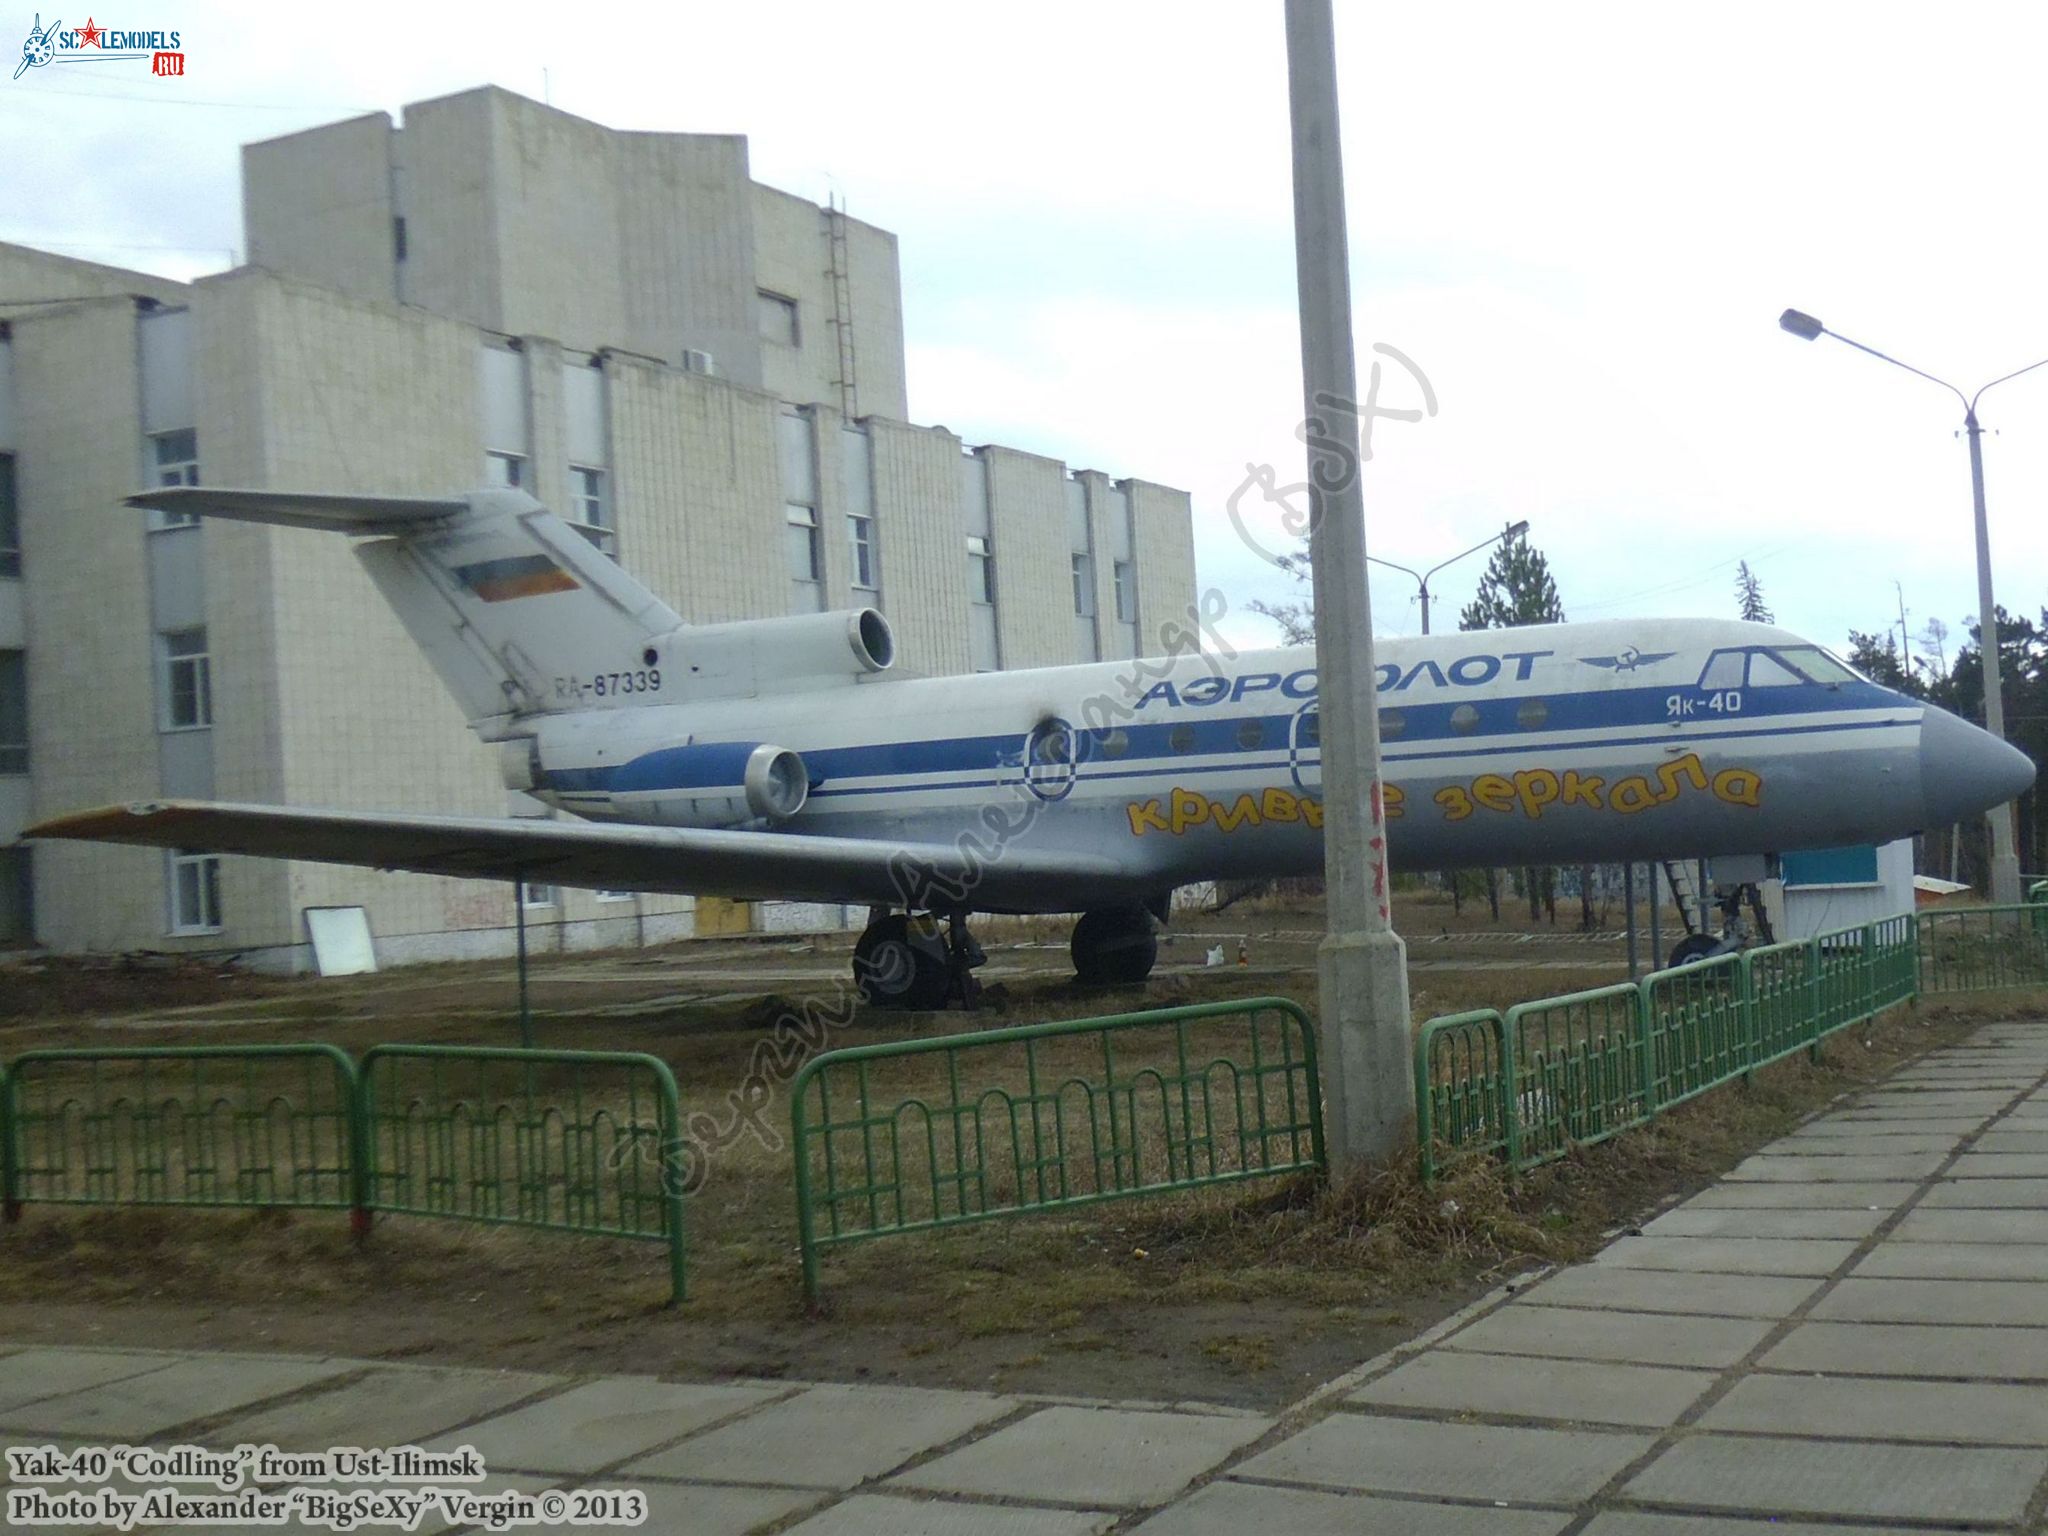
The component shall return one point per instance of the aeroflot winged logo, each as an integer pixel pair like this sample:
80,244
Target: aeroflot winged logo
94,44
1629,660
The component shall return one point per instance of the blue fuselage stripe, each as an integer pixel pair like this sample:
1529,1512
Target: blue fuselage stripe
1150,750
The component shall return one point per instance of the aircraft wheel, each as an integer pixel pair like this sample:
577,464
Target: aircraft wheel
1114,946
900,962
1692,949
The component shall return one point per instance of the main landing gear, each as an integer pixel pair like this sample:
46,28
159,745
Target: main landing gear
903,960
1114,946
919,961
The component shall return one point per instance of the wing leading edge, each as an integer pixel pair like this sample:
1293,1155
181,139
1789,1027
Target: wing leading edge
677,860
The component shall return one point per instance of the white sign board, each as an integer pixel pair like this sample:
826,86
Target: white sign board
341,940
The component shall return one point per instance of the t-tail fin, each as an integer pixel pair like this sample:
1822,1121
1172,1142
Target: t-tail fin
517,611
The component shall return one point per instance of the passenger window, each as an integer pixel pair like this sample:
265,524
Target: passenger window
1724,670
1766,671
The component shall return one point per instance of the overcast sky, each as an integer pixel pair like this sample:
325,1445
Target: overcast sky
1580,221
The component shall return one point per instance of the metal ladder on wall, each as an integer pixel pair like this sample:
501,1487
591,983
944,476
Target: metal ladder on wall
837,269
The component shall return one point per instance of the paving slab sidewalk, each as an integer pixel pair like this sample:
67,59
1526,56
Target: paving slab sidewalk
1848,1334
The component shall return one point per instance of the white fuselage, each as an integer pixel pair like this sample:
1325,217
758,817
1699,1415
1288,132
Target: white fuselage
1550,744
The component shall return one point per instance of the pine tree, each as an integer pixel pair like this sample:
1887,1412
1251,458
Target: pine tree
1749,592
1516,589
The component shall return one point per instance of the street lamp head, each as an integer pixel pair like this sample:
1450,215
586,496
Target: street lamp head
1805,327
1516,530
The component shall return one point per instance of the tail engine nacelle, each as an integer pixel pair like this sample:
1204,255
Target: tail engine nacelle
739,660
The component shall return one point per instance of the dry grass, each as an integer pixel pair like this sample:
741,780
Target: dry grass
1239,1293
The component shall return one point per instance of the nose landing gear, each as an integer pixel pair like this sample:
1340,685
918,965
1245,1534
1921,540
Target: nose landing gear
1738,932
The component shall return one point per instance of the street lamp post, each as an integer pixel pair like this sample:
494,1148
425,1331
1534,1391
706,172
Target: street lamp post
1361,965
2005,864
1422,579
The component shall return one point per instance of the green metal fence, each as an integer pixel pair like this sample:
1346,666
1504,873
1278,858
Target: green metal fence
573,1141
1577,1072
220,1125
1564,1071
922,1134
1976,949
1462,1084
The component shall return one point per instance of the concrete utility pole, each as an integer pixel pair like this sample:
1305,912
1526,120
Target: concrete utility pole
2005,859
1363,965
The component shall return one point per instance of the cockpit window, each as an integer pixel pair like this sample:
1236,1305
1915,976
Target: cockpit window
1766,671
1817,664
1724,670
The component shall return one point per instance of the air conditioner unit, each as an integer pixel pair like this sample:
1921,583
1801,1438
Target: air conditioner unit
699,362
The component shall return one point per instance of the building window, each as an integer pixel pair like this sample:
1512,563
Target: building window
981,571
860,537
984,648
801,533
617,895
588,509
532,894
1084,586
195,892
1126,581
777,315
174,460
507,470
10,520
187,680
13,713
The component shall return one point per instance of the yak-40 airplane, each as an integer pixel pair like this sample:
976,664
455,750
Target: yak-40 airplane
778,758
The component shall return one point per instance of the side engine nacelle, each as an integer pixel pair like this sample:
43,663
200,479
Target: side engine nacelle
737,660
713,784
700,784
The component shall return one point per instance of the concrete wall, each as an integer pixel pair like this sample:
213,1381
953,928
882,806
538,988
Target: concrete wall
686,249
924,551
793,257
321,204
37,276
700,502
530,221
1034,572
1163,521
92,715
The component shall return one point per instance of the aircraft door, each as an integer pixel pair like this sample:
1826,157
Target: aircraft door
1305,748
1050,759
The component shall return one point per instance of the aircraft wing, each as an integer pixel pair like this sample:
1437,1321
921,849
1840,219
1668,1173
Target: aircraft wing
679,860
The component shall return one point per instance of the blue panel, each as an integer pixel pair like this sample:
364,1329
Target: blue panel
1831,866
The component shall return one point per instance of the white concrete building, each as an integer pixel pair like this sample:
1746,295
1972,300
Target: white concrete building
704,372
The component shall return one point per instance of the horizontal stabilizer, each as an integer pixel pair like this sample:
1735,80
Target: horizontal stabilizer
329,512
678,860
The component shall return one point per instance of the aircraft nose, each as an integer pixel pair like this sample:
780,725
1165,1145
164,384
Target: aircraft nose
1965,771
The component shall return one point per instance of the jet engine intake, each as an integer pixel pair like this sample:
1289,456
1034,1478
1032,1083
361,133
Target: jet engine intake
739,660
